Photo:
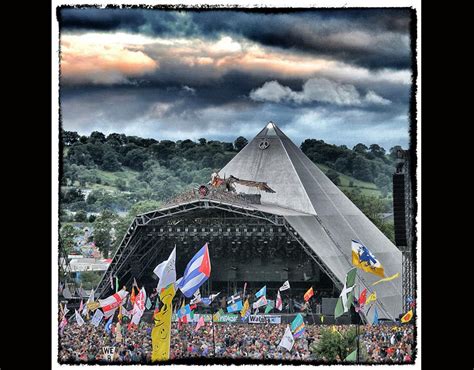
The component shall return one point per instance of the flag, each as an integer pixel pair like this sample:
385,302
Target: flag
148,303
308,294
235,307
111,281
297,326
81,306
62,325
245,287
98,315
376,317
108,325
362,297
322,319
66,310
200,323
116,284
85,310
233,299
287,341
112,302
245,308
79,319
351,356
135,284
132,295
197,272
261,302
365,260
183,311
285,286
372,298
139,306
217,315
207,301
345,299
160,334
394,276
279,302
196,297
407,317
166,271
261,292
270,306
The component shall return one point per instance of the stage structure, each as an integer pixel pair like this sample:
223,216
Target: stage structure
299,229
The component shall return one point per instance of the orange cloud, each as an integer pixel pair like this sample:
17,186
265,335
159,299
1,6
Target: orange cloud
97,62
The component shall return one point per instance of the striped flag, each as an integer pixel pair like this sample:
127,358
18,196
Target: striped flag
261,292
233,299
308,294
197,272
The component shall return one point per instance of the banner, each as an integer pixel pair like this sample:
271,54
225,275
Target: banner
97,317
264,319
108,353
160,335
228,317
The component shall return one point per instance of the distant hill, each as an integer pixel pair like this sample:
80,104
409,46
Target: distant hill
115,172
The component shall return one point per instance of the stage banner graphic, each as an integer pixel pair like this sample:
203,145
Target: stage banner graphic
264,319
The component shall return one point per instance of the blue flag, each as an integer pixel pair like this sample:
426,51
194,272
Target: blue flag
376,317
108,326
297,322
237,306
261,292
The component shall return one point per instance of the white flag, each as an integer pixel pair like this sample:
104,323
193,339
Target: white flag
287,341
90,300
262,301
79,319
139,306
196,297
98,315
66,310
166,271
233,298
285,286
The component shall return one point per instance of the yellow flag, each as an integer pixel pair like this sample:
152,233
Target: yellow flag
92,306
245,308
387,279
160,335
372,298
407,317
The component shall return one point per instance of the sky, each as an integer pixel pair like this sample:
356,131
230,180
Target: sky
339,75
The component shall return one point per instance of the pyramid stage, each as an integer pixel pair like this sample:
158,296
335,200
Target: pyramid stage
301,232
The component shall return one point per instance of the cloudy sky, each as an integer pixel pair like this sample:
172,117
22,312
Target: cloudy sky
343,76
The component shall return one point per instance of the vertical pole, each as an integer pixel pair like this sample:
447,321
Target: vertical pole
213,336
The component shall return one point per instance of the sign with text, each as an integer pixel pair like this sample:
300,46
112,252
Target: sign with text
264,319
108,353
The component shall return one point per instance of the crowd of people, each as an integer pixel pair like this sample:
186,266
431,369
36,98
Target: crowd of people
383,343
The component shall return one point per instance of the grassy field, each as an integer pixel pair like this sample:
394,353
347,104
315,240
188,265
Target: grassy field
367,188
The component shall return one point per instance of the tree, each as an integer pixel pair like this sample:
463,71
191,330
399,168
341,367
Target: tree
97,137
92,218
110,160
393,152
240,143
360,148
80,216
70,137
67,236
121,184
333,176
202,141
335,346
103,237
90,279
135,159
361,169
72,195
377,150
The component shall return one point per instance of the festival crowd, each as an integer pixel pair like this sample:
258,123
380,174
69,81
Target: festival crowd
383,343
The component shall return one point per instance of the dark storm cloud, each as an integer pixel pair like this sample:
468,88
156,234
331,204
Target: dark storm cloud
372,38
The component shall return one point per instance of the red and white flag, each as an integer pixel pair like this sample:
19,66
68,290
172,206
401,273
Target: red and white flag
139,306
81,306
112,302
279,302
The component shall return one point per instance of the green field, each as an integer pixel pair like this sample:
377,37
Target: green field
367,188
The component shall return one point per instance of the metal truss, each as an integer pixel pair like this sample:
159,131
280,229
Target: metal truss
135,239
408,279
